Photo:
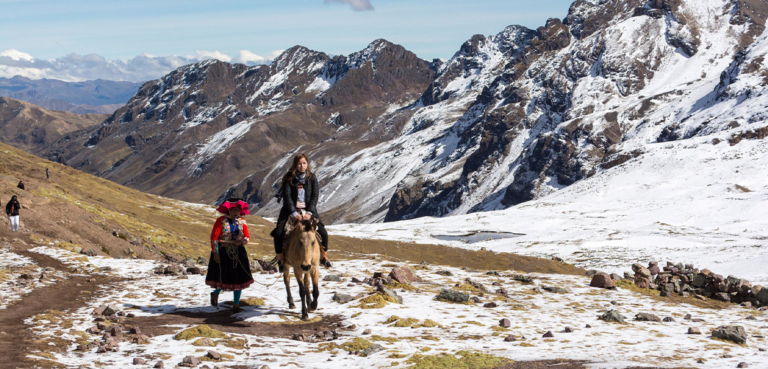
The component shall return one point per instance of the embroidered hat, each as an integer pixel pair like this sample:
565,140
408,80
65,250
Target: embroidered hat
231,203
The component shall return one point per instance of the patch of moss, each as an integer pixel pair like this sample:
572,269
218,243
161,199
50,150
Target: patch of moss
425,349
391,319
406,322
427,323
376,301
473,322
377,338
462,360
356,344
395,355
399,286
199,331
203,342
252,301
235,343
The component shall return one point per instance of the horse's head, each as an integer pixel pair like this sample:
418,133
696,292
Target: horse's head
308,243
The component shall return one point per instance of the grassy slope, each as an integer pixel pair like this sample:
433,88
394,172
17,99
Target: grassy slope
82,210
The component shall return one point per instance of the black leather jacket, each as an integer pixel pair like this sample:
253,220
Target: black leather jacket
291,195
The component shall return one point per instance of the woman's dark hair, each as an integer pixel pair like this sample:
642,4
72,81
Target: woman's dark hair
288,177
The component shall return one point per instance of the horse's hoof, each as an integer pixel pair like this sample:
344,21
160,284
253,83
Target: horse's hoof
291,306
313,306
305,318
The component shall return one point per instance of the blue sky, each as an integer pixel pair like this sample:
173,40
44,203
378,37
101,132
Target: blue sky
49,29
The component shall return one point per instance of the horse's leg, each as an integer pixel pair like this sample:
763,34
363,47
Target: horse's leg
287,280
306,291
315,290
302,292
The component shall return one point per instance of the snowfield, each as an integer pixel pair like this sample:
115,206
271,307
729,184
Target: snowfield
685,201
452,327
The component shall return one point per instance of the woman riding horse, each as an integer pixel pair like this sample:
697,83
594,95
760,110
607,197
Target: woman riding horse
299,193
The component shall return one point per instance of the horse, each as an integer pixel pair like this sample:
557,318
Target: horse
303,255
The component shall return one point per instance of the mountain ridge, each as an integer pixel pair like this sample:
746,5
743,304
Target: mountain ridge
509,118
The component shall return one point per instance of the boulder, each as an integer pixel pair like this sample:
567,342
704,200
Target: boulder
549,334
723,296
159,365
612,316
371,350
591,273
332,278
453,296
202,261
446,273
568,330
694,330
733,333
642,282
214,355
654,270
510,338
505,323
402,275
742,365
641,270
490,305
554,289
699,280
190,361
367,331
646,317
342,298
390,292
616,277
523,279
194,270
602,280
139,361
668,319
762,296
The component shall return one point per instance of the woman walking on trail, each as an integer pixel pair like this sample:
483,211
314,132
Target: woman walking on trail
299,193
12,209
229,269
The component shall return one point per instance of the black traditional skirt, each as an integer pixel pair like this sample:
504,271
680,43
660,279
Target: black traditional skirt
234,271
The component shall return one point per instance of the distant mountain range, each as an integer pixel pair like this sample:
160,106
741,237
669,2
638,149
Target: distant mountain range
32,128
98,96
509,118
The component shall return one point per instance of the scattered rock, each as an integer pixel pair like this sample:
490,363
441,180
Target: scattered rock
687,317
591,273
555,289
135,330
523,279
616,277
641,270
612,316
588,326
505,323
88,252
342,298
194,271
477,285
733,333
476,299
742,365
549,334
446,273
493,272
214,355
402,275
202,261
332,278
367,331
390,292
490,305
190,361
139,361
669,319
453,296
694,330
159,365
510,338
602,280
642,282
371,350
568,330
646,317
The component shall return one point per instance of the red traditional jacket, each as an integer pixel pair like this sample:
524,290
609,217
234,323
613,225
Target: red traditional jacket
223,231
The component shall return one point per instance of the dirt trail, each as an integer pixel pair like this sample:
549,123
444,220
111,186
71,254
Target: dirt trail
15,339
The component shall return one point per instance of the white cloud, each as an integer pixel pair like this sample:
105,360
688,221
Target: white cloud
204,55
16,55
250,58
144,67
357,5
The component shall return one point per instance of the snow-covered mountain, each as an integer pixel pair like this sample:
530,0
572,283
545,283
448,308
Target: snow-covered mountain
509,118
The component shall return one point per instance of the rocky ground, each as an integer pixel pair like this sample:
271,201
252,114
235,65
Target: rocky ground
97,311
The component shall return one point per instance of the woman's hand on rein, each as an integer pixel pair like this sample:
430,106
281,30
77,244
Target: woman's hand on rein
298,216
307,216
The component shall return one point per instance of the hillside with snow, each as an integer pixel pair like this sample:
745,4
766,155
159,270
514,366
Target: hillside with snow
510,118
